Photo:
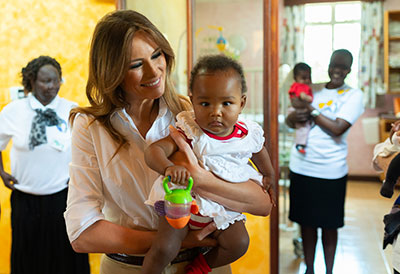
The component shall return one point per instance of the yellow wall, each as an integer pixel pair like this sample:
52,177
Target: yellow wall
256,260
61,29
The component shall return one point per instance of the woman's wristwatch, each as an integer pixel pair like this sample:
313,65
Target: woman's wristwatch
315,112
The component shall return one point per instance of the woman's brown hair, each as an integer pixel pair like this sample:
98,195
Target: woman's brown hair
109,60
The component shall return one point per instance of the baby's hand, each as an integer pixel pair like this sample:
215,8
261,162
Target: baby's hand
179,174
305,97
396,126
269,187
395,130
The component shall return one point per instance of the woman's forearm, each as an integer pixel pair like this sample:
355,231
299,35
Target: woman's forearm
332,127
242,197
106,237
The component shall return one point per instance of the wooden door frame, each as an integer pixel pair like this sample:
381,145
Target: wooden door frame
270,102
271,112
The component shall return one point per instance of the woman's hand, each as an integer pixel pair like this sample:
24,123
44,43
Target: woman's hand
244,197
184,156
298,116
8,180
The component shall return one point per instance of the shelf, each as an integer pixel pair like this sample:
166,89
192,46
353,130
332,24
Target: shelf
392,51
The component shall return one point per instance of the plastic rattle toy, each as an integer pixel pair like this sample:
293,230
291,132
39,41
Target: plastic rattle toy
178,204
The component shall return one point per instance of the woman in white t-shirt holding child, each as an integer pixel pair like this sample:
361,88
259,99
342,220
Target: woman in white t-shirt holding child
318,178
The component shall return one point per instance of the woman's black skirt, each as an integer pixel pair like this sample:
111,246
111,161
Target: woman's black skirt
317,202
39,239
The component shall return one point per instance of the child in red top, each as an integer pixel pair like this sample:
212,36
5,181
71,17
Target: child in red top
300,95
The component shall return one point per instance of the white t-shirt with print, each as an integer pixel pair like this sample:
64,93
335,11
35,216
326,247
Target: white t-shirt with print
326,155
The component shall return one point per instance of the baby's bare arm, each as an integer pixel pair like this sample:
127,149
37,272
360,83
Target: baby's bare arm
305,97
264,166
157,154
263,163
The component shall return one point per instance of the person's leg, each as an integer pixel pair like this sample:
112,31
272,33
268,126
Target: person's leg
233,243
309,236
165,247
392,175
329,243
302,130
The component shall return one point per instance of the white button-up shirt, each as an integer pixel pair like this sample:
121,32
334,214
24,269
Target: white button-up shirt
107,187
43,170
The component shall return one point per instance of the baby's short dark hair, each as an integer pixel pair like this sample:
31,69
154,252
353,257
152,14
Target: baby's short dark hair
301,67
212,63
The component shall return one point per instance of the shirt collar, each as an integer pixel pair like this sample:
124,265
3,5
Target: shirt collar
162,111
35,104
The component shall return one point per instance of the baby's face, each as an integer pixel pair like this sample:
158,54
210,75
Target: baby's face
303,77
217,101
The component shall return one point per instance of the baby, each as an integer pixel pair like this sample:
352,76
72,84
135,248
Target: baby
223,142
300,95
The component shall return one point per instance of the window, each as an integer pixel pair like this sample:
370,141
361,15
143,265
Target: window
329,27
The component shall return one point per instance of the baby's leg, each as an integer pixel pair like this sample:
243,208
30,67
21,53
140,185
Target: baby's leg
392,175
164,248
233,243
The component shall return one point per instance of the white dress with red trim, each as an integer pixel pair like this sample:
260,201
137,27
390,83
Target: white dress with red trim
227,157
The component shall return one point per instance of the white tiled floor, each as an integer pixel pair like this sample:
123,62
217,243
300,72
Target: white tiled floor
360,241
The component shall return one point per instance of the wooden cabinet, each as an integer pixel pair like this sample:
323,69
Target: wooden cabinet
392,51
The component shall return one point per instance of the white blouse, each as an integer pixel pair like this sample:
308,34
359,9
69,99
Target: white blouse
107,187
43,170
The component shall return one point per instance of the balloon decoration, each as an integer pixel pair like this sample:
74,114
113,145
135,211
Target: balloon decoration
232,46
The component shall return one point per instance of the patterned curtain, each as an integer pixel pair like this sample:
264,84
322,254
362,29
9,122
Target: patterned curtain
292,35
371,52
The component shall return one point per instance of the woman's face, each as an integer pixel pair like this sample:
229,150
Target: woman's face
47,84
339,67
145,78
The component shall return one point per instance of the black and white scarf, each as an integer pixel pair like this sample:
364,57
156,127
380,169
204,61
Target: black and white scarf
48,118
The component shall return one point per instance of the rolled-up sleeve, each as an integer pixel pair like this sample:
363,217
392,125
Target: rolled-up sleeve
85,193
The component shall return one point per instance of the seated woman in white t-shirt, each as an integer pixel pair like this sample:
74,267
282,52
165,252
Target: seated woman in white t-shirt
318,178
